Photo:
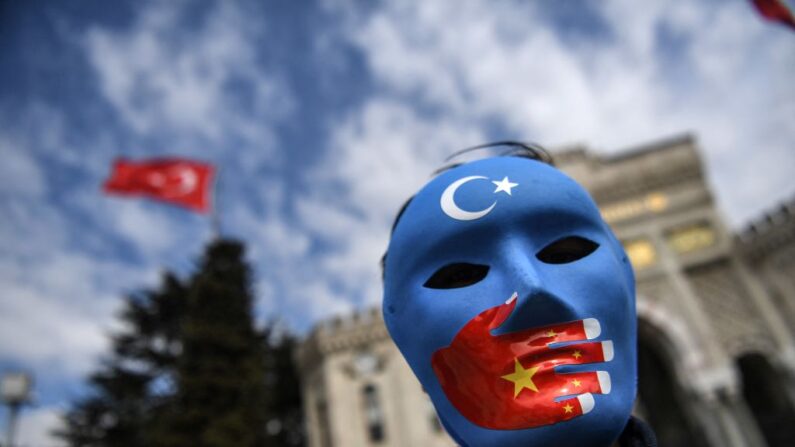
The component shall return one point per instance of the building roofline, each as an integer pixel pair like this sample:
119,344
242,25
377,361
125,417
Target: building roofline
775,216
643,149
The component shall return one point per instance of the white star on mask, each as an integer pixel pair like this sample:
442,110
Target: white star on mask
504,185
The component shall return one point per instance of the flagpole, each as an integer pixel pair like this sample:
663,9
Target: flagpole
215,215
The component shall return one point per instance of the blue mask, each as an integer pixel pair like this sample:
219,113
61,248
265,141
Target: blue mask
514,305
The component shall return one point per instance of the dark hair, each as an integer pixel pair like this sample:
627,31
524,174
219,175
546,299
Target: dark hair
532,151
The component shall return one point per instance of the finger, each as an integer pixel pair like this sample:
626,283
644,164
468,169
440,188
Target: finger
596,382
574,407
575,354
541,337
494,317
586,329
549,385
538,406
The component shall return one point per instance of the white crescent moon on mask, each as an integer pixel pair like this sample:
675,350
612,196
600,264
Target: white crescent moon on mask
451,209
185,181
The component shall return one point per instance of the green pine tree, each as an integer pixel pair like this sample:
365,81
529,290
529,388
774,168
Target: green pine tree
191,369
285,413
221,399
134,384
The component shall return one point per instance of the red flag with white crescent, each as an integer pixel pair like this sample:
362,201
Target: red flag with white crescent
776,10
182,182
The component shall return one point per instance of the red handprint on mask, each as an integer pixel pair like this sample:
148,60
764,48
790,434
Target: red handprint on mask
508,381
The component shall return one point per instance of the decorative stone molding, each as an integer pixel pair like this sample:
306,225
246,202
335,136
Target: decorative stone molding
341,334
693,373
365,363
770,233
690,358
637,171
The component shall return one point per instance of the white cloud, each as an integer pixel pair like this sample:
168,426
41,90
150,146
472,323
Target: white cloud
35,426
728,82
288,283
204,85
55,312
378,158
385,151
318,255
58,302
156,232
55,291
20,176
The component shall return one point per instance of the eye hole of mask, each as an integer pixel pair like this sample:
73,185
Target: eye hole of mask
453,276
568,249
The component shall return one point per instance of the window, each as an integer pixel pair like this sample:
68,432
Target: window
641,253
691,238
372,412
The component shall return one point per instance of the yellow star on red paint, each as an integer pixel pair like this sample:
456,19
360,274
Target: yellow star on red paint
522,378
577,354
568,408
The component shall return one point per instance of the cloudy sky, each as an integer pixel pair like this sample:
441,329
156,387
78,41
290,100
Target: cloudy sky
323,116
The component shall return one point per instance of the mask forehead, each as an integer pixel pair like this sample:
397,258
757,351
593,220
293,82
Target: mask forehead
470,205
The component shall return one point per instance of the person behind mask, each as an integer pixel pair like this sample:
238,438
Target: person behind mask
514,305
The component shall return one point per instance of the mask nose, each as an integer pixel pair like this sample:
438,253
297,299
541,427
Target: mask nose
537,305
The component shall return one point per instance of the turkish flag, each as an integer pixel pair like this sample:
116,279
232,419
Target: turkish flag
775,10
178,181
508,381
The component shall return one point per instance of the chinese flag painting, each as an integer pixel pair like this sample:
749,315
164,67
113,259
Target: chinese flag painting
182,182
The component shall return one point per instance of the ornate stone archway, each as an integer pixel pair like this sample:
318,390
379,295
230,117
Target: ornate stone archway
765,391
666,359
698,402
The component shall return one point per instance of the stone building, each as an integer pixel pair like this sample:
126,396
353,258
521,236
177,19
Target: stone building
716,320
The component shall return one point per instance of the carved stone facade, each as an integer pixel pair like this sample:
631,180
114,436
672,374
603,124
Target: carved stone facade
768,246
716,320
358,391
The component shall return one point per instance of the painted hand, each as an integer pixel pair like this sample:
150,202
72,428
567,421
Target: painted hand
508,381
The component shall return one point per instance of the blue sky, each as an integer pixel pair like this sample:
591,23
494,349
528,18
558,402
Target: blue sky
324,116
